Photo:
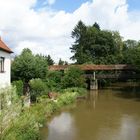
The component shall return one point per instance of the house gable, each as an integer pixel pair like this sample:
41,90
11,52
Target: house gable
5,64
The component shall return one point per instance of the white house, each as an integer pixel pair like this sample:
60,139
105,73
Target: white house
5,64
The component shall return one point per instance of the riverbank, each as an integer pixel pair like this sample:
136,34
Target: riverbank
26,126
106,114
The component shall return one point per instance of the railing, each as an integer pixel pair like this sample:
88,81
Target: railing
113,76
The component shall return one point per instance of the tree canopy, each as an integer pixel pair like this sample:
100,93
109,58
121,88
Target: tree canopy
95,45
27,66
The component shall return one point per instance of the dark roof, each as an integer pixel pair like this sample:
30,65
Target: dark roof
4,47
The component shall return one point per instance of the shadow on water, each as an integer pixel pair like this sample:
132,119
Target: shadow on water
127,92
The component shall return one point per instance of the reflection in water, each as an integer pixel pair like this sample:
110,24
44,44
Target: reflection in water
129,128
105,115
92,98
61,127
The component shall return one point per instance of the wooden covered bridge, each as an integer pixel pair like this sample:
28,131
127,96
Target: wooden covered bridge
93,72
91,67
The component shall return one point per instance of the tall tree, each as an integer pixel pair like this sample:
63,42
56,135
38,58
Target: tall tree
27,66
78,33
130,43
50,60
96,25
94,45
61,62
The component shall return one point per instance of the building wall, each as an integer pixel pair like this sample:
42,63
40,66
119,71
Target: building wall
5,77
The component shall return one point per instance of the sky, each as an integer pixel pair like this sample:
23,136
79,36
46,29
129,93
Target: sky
45,26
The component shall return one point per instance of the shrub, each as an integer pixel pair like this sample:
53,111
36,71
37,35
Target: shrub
19,87
73,77
53,80
23,129
80,91
37,88
67,98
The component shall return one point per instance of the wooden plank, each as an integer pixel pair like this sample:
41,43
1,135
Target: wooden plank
93,67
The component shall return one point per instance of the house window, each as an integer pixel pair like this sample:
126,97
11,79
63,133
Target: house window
1,64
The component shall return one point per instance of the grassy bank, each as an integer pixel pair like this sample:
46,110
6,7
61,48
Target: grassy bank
26,126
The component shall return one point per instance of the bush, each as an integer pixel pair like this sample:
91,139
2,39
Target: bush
80,91
37,88
73,77
10,108
24,128
53,80
19,87
67,98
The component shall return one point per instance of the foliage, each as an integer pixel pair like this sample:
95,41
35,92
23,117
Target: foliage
26,126
61,62
10,108
49,60
95,45
73,77
130,43
80,91
53,80
7,96
132,56
67,98
27,66
37,88
19,87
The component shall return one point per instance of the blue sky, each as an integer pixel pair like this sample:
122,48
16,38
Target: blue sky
66,5
134,4
72,5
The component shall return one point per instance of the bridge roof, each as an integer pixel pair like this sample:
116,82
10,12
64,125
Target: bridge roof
93,67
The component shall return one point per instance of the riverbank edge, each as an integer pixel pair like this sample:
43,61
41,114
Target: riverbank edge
27,125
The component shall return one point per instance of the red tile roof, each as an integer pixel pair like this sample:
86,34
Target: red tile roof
4,47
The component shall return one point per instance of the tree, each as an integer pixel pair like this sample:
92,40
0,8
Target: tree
27,66
96,25
73,77
61,62
78,33
132,56
130,43
95,45
50,60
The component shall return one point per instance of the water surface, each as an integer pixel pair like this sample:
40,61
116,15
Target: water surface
110,114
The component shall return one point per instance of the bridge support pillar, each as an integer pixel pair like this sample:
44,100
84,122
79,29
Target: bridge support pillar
93,84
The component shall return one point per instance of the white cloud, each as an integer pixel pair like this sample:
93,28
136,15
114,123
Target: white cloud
49,32
50,2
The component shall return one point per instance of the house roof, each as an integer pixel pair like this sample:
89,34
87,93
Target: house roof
4,47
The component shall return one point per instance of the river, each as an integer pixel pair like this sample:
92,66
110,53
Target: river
108,114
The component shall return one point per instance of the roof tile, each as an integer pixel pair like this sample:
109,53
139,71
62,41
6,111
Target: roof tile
4,47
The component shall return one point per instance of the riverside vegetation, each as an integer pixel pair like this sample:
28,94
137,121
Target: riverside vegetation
28,121
25,122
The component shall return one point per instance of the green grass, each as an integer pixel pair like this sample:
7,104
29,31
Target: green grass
26,126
